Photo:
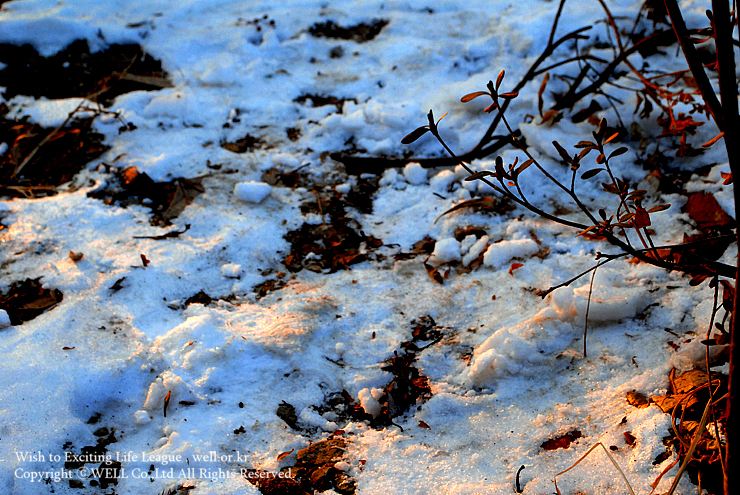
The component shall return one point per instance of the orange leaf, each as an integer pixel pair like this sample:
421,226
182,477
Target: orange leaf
713,140
514,266
472,96
434,273
283,455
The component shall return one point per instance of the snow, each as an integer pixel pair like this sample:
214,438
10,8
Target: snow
415,174
446,250
252,191
4,319
500,253
508,373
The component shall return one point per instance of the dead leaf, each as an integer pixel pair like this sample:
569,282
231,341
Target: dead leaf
514,266
424,425
563,441
637,399
117,285
283,455
704,209
75,256
630,438
434,273
27,299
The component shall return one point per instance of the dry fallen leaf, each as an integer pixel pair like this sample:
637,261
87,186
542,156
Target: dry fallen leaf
283,455
434,273
637,399
563,441
514,266
630,438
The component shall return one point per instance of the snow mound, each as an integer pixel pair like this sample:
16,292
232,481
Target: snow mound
446,250
415,174
252,191
612,299
523,349
500,253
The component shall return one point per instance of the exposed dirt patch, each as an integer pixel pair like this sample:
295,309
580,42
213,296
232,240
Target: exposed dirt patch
359,32
686,400
270,285
407,389
338,243
314,471
76,72
106,470
39,159
242,145
27,299
321,101
166,199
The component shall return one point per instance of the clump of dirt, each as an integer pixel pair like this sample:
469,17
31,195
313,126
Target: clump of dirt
166,199
359,32
27,299
75,71
292,179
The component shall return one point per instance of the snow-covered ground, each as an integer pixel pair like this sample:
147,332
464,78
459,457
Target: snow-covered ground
504,367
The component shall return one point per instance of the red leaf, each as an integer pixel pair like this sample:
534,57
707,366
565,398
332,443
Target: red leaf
641,219
658,208
540,101
713,140
562,441
630,438
424,425
704,209
618,151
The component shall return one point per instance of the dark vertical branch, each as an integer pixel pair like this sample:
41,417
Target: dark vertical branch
728,89
694,61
